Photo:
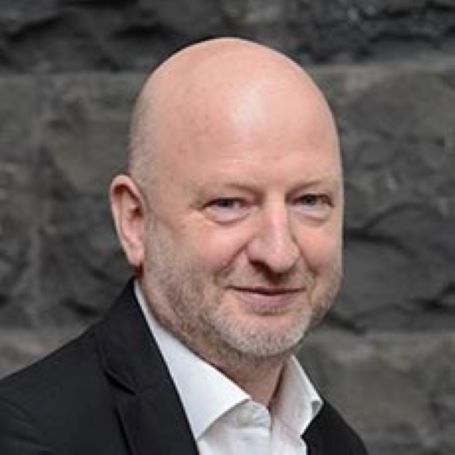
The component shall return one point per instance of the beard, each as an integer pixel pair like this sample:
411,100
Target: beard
198,306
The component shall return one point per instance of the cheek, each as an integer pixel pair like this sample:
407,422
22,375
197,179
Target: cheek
218,248
321,250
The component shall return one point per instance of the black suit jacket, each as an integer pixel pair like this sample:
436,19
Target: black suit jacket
109,392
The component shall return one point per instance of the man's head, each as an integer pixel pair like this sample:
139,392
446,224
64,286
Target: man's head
232,212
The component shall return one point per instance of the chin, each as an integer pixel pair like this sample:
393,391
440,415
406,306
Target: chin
265,336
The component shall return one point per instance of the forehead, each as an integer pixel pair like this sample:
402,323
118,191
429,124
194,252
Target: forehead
254,161
249,127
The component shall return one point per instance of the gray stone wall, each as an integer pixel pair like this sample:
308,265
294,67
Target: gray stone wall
69,72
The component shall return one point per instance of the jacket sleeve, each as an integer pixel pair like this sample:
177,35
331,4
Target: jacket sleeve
19,435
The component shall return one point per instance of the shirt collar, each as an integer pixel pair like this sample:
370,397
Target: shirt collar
295,406
297,402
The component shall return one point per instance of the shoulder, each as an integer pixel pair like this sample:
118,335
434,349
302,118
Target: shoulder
40,403
51,376
72,370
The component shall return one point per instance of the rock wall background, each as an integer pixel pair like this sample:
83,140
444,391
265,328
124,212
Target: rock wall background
69,71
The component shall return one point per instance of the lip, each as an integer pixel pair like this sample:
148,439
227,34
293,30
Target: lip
267,300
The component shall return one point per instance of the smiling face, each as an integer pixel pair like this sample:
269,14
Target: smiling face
242,244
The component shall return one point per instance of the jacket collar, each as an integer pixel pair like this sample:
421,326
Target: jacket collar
146,400
313,438
328,434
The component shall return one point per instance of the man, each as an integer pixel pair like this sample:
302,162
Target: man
231,217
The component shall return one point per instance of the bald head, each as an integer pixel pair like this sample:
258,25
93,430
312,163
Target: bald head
220,86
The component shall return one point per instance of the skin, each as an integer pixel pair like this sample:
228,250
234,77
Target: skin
231,214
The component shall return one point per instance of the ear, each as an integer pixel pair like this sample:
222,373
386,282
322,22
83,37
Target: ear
128,210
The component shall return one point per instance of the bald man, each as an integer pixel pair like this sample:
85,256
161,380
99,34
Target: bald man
230,215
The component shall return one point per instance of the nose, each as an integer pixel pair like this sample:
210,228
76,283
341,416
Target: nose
273,245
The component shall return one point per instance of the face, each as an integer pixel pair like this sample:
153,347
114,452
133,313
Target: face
243,228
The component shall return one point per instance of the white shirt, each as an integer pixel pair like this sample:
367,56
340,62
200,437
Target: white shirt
223,418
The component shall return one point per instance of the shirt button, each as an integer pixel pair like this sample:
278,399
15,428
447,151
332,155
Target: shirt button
244,416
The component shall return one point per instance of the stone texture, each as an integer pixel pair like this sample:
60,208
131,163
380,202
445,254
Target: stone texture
18,201
79,35
61,145
397,390
399,141
83,144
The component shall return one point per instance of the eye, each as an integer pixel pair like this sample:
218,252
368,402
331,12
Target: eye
226,209
226,203
310,199
313,205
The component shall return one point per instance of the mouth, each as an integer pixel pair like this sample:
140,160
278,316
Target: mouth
266,290
267,300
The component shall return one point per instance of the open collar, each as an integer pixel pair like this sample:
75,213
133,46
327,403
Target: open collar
295,407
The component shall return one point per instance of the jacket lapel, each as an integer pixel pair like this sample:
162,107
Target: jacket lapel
316,432
313,439
328,434
146,401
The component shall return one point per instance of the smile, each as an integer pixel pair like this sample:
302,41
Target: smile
264,300
267,291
